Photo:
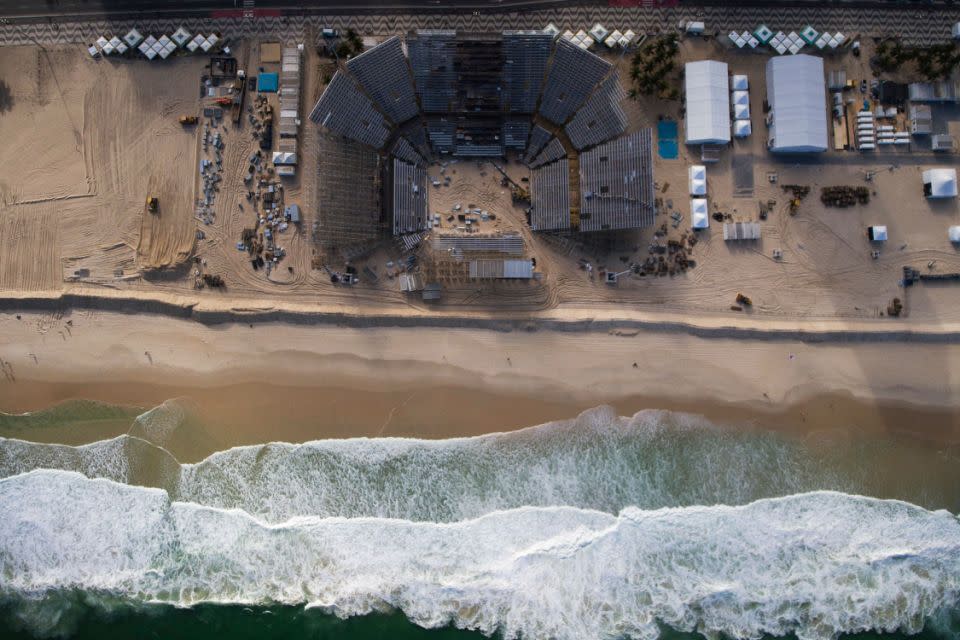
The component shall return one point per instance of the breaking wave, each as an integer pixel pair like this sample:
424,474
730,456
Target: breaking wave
597,527
814,565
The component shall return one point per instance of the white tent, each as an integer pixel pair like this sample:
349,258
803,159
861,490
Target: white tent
698,180
740,97
181,36
940,183
708,115
284,157
552,30
741,112
699,215
739,83
599,32
877,233
796,91
132,38
742,128
93,51
954,234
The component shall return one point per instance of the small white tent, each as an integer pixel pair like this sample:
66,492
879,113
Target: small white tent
739,83
954,234
940,183
741,111
698,180
699,216
877,233
742,128
707,85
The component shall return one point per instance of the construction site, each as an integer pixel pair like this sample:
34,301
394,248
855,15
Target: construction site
449,169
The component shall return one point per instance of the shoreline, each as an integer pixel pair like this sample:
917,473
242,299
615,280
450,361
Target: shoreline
615,318
297,383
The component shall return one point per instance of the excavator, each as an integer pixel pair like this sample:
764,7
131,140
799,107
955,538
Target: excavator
153,204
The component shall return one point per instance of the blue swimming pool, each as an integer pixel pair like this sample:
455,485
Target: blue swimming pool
667,139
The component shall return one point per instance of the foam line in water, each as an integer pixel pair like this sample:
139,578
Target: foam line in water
597,461
815,564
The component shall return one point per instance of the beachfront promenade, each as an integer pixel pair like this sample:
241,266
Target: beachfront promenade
913,24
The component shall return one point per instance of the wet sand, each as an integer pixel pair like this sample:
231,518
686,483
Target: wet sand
278,382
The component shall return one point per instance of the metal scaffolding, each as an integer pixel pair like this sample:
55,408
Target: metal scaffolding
553,151
431,56
348,194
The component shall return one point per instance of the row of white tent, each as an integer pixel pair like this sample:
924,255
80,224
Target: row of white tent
699,212
598,34
152,47
784,43
740,104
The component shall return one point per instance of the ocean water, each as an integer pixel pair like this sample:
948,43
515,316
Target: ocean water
658,525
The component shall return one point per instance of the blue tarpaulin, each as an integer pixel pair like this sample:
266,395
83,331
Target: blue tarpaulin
268,82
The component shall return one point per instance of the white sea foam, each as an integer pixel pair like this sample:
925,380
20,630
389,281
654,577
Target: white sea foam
597,461
814,564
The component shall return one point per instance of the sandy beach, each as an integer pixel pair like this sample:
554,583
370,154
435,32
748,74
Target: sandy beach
290,382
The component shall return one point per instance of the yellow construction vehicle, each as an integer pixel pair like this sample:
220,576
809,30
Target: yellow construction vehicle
188,120
153,204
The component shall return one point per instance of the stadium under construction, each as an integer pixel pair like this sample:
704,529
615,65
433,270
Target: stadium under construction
437,95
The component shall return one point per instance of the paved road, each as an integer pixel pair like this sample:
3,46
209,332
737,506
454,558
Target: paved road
27,10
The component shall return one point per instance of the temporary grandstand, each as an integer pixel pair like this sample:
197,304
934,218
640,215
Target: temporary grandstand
550,196
616,184
408,188
385,76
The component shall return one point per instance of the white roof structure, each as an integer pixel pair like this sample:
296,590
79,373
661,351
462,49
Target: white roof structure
629,35
552,29
741,112
93,51
213,39
102,42
150,41
740,98
164,40
599,32
206,45
181,36
115,42
108,48
954,233
878,233
699,215
708,114
796,91
122,48
739,83
163,51
940,183
284,157
698,180
151,53
742,128
144,47
132,38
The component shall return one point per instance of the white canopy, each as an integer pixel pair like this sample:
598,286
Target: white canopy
741,112
878,233
740,83
552,30
181,36
796,91
742,128
599,32
699,214
698,180
708,115
740,97
940,183
102,42
133,38
954,233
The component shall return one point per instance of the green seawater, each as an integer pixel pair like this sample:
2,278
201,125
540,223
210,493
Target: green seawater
215,622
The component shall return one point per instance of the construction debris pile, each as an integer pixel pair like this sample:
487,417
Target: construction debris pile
670,258
843,196
210,170
272,217
260,117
